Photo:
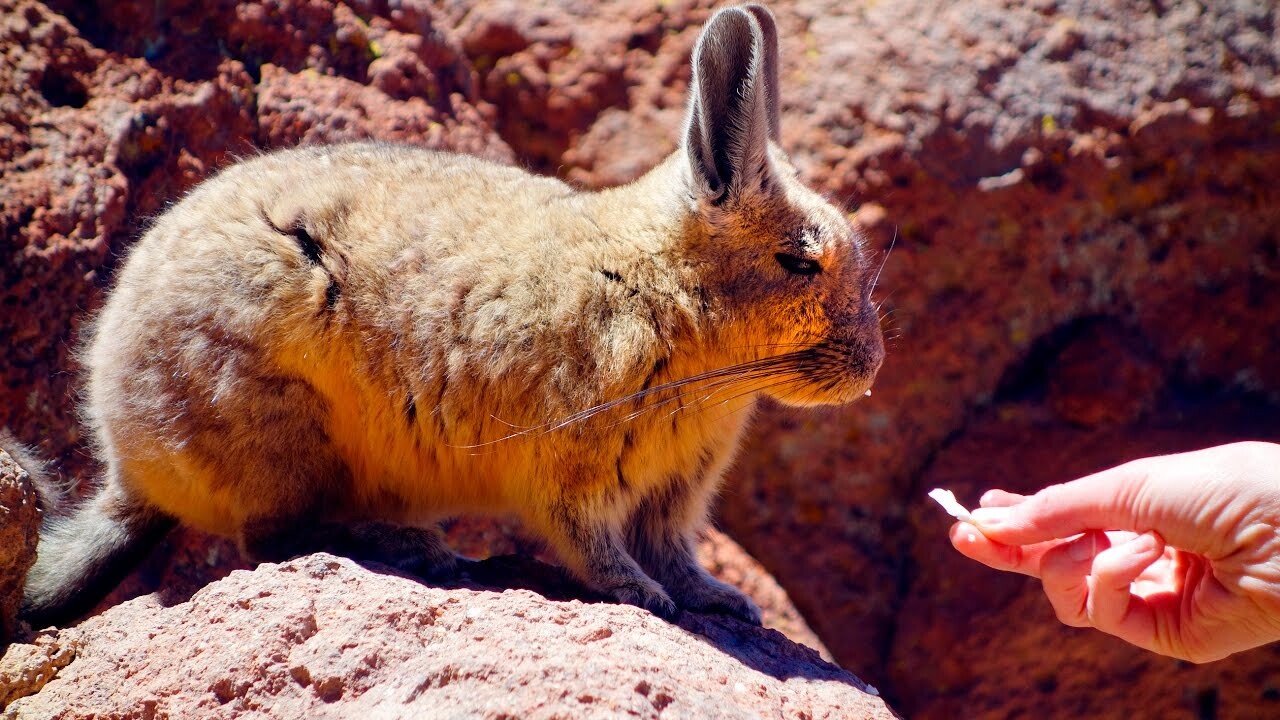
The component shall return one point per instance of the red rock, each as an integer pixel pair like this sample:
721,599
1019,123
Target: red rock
25,668
301,108
1103,378
188,560
19,526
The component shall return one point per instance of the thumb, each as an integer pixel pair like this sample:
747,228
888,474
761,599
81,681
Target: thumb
1116,499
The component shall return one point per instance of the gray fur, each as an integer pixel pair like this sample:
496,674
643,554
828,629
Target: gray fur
769,67
83,555
731,109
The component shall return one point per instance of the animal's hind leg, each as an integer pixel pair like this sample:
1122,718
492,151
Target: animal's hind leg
415,550
289,483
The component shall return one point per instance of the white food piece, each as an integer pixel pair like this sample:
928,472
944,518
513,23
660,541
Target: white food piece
867,393
947,500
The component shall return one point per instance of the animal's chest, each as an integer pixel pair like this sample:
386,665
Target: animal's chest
678,456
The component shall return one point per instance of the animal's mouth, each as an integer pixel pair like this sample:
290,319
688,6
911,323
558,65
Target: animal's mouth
829,374
820,394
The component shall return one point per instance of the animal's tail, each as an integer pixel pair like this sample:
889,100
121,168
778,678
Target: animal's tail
83,554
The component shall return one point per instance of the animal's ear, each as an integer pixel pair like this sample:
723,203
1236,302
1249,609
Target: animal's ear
769,67
733,108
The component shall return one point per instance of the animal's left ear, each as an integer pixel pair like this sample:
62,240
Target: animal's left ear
733,108
769,67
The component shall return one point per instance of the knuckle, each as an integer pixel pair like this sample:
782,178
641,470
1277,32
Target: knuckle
1108,571
1069,613
1012,555
1047,503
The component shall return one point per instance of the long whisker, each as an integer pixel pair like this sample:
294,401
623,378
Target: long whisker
760,383
754,369
799,377
757,366
715,388
885,261
773,385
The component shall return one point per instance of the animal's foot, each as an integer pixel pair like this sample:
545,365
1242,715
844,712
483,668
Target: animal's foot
708,595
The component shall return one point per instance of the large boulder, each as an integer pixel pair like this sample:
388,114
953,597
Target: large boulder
322,637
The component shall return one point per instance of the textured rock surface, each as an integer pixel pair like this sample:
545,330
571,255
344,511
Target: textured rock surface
1085,197
26,667
323,637
189,560
19,528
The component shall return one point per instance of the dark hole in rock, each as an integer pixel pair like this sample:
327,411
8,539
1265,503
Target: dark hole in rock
62,89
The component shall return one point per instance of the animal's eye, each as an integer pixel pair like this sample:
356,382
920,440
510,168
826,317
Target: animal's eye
798,265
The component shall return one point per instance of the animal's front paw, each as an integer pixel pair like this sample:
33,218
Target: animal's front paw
434,566
709,595
648,596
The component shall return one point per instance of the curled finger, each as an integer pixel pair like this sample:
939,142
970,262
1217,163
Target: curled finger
1110,604
1064,571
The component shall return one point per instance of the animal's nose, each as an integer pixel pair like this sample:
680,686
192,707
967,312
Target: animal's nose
876,351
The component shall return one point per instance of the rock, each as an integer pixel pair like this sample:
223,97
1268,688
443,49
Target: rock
188,560
727,561
19,531
323,637
25,668
301,108
1104,377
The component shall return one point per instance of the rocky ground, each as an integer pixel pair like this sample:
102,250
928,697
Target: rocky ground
1085,197
322,637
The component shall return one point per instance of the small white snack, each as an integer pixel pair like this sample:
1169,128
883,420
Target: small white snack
947,500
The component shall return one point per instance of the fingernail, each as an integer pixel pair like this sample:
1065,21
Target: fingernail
989,516
1082,548
1146,542
1003,496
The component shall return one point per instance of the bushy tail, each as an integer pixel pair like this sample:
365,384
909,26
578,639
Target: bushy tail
82,555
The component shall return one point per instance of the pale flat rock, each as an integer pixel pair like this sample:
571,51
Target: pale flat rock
323,637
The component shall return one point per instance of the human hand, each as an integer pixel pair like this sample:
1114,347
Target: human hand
1178,554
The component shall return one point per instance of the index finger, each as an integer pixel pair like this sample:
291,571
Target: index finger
1199,501
1114,499
970,542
